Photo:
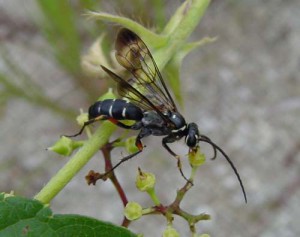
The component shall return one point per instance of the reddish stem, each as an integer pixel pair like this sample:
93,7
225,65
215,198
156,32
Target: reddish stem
106,151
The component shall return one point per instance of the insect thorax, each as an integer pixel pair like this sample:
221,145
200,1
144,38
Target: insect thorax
155,123
178,121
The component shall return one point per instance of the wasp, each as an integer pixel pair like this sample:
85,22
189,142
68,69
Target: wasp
150,104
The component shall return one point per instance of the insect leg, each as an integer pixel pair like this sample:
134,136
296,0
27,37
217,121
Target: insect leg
143,133
135,126
101,117
170,139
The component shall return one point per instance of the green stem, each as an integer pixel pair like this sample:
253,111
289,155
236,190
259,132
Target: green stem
194,11
130,24
75,164
193,173
153,196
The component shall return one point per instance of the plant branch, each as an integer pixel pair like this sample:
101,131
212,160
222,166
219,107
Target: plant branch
193,13
76,163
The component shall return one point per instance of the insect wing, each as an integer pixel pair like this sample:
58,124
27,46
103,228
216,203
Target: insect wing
133,54
125,89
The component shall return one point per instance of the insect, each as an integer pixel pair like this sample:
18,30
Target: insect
150,103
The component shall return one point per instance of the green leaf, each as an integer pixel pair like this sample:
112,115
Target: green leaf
188,47
148,36
20,216
173,67
173,75
176,18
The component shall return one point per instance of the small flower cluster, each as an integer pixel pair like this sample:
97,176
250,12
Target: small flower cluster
145,182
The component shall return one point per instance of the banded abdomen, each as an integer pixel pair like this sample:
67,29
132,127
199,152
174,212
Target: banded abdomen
117,109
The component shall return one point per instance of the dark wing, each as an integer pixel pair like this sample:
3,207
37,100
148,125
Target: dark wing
133,54
125,89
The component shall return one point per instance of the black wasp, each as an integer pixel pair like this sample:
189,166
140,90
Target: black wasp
151,105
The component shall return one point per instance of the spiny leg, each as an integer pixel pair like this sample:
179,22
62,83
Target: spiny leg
101,117
170,139
121,161
139,145
135,126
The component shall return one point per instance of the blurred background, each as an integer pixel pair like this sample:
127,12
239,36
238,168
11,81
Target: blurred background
242,90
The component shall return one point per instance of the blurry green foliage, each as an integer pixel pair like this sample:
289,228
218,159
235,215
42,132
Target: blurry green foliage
59,26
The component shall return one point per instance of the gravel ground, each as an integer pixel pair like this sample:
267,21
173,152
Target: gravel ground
246,89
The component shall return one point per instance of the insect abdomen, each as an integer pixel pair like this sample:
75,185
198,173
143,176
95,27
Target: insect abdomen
117,109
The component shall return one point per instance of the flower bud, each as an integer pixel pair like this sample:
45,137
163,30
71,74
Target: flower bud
145,181
108,95
130,145
196,157
95,57
82,118
133,211
170,232
7,195
65,146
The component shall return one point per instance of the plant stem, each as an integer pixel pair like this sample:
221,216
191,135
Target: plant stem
194,11
154,197
75,164
106,151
